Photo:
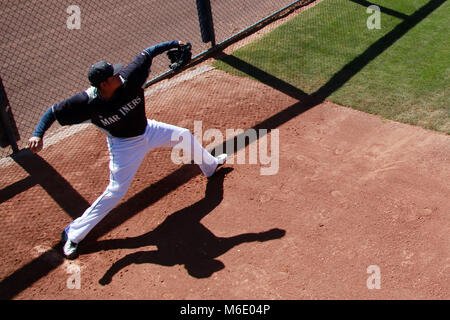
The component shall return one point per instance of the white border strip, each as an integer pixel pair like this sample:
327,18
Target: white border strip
188,76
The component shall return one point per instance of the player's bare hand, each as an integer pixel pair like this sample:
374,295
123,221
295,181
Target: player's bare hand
181,43
35,144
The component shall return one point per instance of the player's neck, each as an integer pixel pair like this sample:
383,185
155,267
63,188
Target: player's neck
106,94
107,91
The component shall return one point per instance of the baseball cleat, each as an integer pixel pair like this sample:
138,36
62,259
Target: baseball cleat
69,248
221,158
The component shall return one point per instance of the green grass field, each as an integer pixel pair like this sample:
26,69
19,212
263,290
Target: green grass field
406,81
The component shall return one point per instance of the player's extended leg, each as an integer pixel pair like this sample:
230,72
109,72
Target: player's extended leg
126,155
167,135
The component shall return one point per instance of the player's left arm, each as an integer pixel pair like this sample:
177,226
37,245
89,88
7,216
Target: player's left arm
162,47
138,70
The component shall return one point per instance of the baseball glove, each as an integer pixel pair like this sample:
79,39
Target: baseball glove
180,57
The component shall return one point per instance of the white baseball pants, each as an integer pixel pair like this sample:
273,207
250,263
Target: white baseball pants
126,155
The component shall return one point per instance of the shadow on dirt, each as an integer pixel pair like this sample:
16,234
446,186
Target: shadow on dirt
38,268
43,174
182,239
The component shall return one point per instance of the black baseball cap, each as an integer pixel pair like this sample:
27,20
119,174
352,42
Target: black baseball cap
101,71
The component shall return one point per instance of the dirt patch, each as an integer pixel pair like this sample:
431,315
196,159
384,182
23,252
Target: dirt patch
351,191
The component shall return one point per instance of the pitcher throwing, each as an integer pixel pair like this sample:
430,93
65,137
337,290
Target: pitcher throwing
115,103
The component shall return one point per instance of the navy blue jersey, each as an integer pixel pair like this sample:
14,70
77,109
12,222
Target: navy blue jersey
123,115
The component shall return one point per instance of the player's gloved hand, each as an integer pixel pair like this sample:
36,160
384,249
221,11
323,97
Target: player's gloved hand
35,144
181,56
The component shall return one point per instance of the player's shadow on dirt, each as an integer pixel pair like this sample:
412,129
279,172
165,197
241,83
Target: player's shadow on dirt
182,239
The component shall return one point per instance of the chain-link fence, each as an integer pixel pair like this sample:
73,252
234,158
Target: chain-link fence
233,16
47,47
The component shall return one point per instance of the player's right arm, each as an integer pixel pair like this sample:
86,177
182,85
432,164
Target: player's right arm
71,111
36,142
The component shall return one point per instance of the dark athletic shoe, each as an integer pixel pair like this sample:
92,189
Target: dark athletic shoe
69,248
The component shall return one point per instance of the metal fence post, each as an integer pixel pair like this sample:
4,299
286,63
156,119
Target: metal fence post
206,21
10,136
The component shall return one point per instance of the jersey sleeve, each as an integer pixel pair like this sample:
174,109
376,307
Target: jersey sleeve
137,72
74,110
155,50
45,123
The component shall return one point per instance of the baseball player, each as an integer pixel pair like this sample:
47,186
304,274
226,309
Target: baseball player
115,104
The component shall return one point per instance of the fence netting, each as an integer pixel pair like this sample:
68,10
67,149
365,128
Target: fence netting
47,47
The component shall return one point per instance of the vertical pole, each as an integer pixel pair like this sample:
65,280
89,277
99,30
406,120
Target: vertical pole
5,118
211,24
206,21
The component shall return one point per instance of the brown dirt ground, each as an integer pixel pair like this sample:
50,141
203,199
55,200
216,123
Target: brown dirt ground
352,191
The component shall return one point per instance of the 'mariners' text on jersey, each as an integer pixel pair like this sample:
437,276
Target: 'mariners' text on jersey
123,110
